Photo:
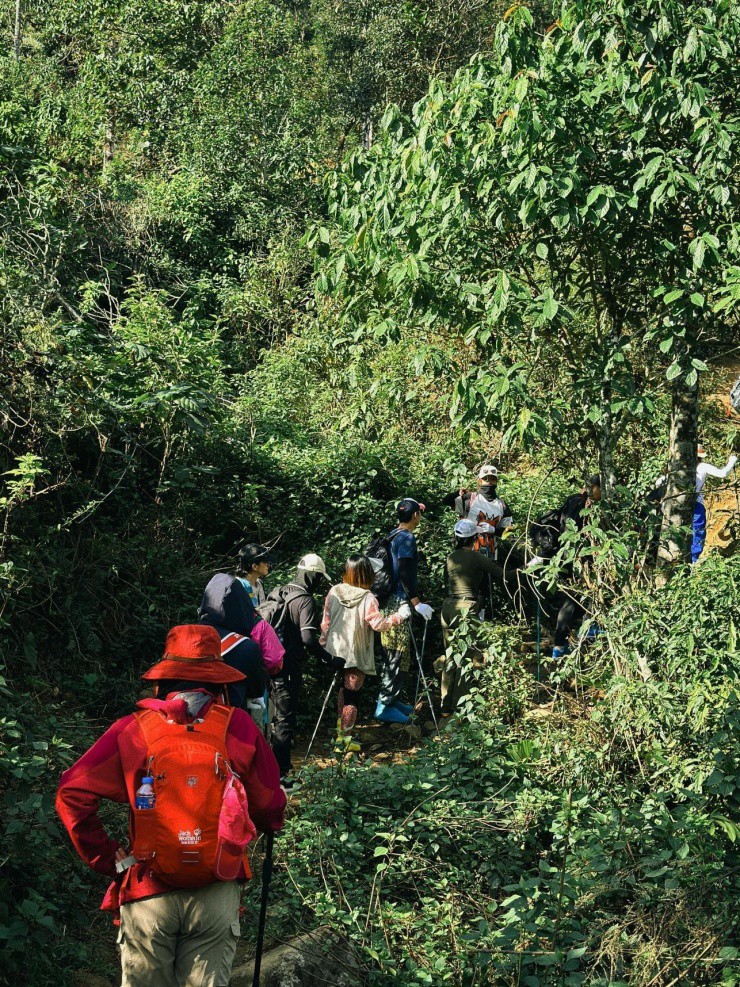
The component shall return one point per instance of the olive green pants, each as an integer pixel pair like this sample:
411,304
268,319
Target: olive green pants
456,680
181,939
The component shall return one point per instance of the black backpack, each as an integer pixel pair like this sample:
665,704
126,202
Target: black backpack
545,533
735,396
275,609
380,549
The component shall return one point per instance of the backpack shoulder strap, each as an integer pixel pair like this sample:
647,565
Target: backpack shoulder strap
229,642
216,722
153,725
462,505
284,601
297,593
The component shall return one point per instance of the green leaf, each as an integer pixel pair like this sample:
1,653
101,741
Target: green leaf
673,371
697,248
550,307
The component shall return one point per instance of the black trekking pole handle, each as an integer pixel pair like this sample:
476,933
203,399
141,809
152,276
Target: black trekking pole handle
266,878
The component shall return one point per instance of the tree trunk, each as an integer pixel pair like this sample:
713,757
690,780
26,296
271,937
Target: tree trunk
609,320
367,131
17,31
605,432
680,495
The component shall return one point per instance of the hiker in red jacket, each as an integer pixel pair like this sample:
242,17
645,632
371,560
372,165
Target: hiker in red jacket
173,932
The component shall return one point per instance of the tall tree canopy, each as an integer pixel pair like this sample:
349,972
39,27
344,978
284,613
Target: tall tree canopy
567,205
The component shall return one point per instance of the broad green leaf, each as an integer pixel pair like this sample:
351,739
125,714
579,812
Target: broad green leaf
673,371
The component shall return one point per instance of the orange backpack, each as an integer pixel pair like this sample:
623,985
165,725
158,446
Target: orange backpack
195,788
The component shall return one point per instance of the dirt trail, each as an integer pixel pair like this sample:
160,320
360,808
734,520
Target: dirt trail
723,519
723,502
727,372
384,744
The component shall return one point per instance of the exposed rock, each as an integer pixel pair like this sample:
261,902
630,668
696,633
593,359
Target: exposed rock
317,959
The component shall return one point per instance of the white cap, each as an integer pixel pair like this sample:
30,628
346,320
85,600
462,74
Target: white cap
466,528
377,566
487,470
312,563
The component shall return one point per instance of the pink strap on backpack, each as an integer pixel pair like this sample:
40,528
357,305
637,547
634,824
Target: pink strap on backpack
235,830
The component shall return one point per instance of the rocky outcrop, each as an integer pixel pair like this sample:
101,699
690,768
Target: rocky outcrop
317,959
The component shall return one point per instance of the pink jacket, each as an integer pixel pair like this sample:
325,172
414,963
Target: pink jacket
270,646
113,766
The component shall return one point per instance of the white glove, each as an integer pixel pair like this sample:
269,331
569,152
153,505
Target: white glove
424,610
733,459
485,528
404,611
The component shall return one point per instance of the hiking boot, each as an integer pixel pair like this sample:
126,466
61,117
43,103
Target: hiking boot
404,707
593,632
389,714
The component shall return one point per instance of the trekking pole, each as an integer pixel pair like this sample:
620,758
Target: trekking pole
266,878
423,648
321,714
539,637
419,659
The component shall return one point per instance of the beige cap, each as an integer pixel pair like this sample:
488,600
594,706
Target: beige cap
313,563
487,470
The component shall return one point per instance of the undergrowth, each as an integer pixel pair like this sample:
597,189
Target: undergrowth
587,840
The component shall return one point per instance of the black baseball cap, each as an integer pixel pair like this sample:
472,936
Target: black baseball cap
252,553
409,506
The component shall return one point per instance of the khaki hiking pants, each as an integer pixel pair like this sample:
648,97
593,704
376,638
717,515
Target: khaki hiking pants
182,938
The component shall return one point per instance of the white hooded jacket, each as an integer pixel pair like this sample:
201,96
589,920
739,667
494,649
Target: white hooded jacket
351,614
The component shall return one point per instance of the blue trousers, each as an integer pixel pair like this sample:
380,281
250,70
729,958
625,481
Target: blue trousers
699,525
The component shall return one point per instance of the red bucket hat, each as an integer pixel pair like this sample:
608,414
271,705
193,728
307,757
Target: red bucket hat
193,652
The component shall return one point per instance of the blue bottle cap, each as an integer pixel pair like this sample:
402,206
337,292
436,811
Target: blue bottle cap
147,780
